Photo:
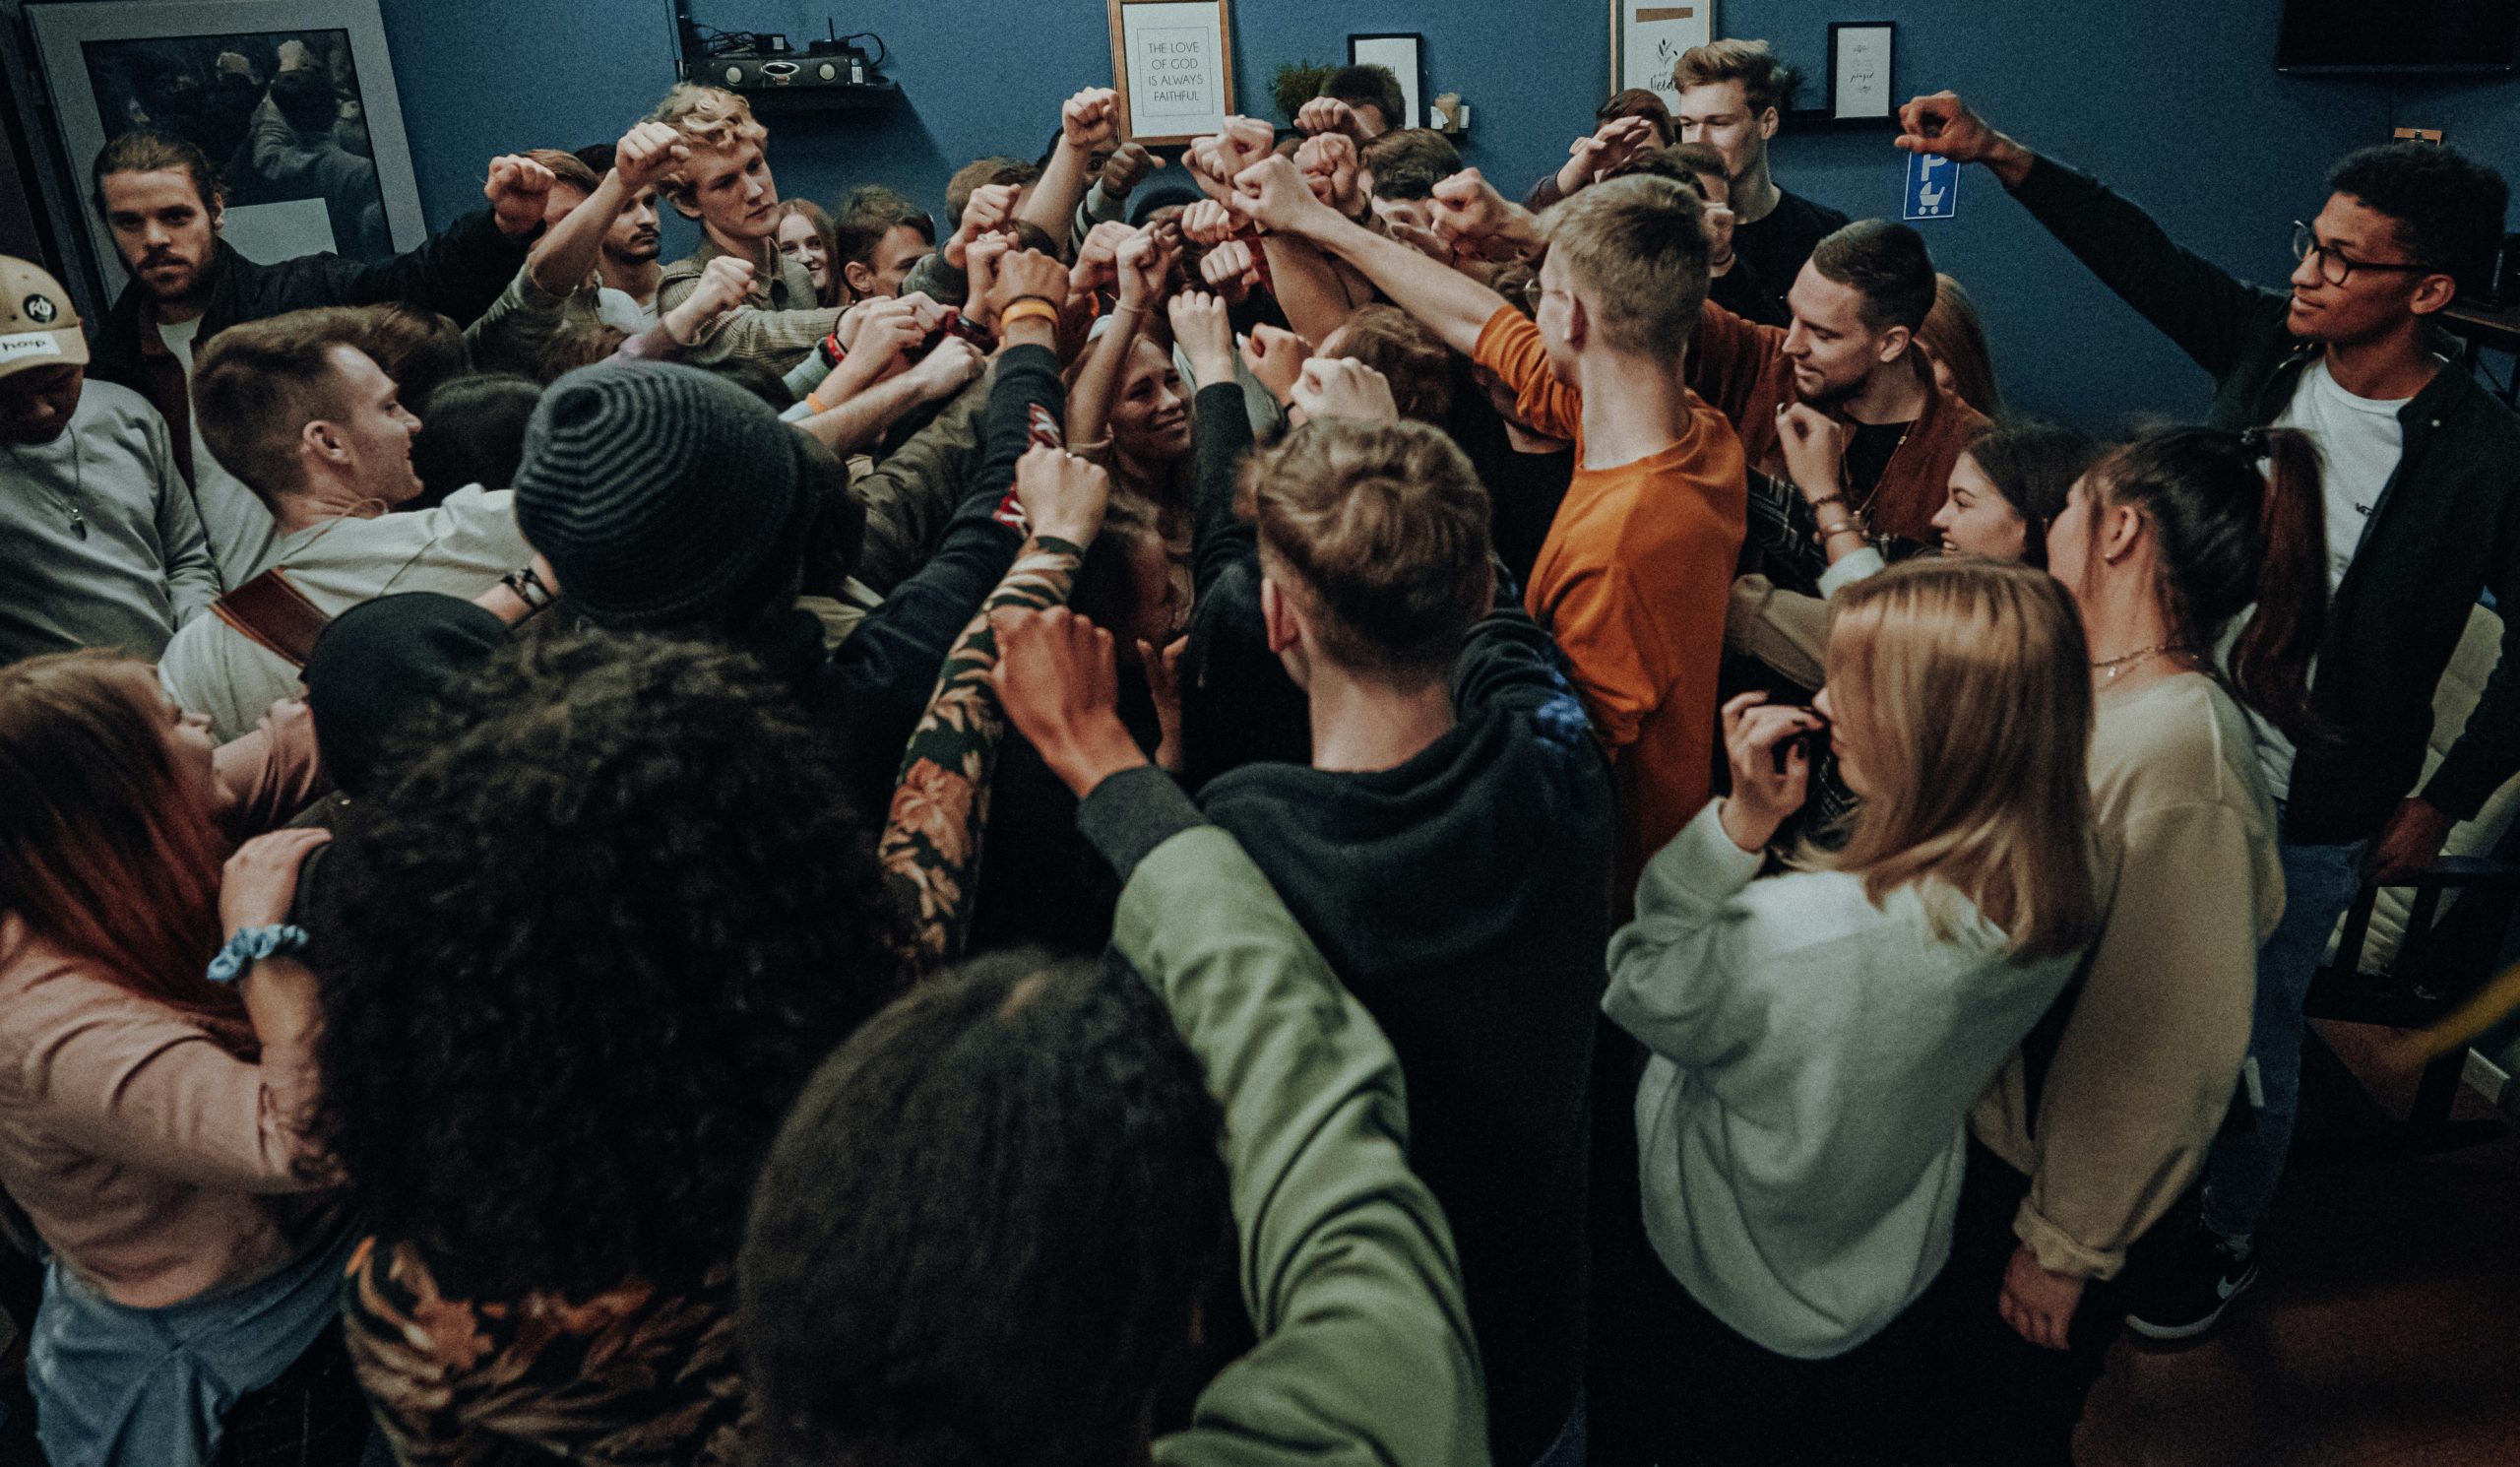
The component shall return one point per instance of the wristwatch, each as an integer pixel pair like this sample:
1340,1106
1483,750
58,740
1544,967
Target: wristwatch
529,588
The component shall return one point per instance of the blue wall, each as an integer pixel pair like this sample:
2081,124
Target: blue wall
2175,101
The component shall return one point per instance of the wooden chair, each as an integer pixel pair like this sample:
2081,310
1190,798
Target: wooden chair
2445,956
2405,956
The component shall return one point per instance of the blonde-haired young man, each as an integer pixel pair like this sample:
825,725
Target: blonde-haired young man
1733,98
724,185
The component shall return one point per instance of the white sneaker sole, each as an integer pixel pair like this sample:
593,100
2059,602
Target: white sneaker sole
2194,1327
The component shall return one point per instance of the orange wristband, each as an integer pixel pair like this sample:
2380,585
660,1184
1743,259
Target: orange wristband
1030,308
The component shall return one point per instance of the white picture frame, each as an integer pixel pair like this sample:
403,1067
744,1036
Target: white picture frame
306,194
1647,39
1405,53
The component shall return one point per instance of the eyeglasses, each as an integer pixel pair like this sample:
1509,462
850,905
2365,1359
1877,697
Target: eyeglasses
2334,266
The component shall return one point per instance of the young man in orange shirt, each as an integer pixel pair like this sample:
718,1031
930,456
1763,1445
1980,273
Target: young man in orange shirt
1633,574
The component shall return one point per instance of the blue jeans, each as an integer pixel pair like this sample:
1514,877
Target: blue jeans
2247,1161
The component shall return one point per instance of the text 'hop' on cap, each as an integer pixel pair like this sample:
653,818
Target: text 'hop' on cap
38,327
659,492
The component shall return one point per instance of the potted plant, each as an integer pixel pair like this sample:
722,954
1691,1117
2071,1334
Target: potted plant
1295,83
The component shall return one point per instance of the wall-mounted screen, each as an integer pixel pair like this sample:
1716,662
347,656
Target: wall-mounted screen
2406,36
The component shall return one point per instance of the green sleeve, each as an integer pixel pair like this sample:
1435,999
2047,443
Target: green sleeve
1366,1352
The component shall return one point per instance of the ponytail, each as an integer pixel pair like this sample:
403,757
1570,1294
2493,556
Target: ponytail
2270,662
2232,536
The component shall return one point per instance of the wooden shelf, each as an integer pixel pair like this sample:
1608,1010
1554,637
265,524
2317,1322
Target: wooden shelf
2497,329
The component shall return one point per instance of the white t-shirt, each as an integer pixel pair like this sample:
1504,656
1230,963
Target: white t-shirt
236,521
2360,444
461,548
622,310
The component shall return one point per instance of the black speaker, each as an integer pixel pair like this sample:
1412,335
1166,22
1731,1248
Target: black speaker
788,73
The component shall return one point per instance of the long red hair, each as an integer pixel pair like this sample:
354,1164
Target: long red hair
107,849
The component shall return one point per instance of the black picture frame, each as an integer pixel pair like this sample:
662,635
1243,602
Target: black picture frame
1413,75
1887,112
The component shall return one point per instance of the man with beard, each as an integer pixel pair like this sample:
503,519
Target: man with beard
1850,353
164,204
634,244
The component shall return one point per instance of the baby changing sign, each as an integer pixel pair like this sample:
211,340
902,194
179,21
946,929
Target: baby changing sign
1175,71
1933,187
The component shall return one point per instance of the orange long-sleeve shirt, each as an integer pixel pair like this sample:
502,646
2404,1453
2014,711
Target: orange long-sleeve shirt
1632,581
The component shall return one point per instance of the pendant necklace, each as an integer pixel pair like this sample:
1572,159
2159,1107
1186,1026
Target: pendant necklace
2116,665
79,483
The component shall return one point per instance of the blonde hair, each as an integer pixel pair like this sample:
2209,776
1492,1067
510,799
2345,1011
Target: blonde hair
1385,526
709,118
1966,684
1636,246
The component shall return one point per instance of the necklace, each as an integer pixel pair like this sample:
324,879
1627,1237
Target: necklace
1864,506
77,480
2117,665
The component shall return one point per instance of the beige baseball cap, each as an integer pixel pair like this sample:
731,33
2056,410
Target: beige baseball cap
39,326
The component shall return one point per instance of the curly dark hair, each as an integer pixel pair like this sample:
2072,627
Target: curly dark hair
979,1239
2448,207
581,954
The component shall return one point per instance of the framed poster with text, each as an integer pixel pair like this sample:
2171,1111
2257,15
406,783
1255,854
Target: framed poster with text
1172,64
1647,37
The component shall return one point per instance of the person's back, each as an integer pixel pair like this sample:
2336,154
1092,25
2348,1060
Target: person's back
1817,1036
553,1178
1458,888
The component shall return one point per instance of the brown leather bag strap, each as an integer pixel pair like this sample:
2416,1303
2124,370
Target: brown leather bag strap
273,613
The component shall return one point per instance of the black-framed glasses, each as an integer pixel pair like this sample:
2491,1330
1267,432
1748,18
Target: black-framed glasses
2335,267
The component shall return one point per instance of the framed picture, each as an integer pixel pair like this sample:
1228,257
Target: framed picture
1404,54
1859,71
1172,64
294,102
1647,39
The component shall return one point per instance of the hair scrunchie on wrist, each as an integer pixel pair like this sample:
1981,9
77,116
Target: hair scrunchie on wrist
251,945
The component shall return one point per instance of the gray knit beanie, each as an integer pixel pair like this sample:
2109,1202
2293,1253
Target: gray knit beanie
661,493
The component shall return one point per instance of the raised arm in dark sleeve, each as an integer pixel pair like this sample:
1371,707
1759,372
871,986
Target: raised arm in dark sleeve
1238,706
457,273
889,663
2203,309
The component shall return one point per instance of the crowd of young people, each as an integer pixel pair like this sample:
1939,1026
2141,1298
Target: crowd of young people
1259,807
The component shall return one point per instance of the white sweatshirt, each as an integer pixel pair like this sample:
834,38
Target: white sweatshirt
1801,1125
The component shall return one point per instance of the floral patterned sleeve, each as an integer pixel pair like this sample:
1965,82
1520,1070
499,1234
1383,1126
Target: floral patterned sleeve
635,1376
930,848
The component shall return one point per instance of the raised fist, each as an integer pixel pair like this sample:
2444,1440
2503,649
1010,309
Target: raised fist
646,155
518,189
1089,120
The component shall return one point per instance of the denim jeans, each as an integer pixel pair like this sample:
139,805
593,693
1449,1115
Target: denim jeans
2247,1161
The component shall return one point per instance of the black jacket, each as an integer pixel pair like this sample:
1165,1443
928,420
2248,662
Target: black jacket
457,274
2447,525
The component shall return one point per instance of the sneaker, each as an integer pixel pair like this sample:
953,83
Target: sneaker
2187,1294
